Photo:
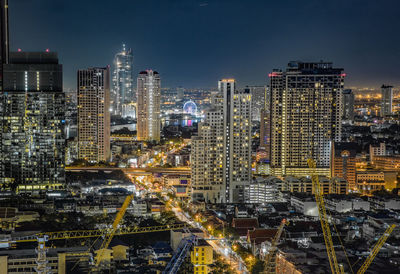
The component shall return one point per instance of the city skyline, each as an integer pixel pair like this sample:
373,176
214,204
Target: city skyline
345,33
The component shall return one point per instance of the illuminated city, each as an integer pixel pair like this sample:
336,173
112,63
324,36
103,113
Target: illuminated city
199,136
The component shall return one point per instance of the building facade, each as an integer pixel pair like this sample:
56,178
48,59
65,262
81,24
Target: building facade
387,162
261,191
258,100
122,90
94,114
376,150
32,122
207,158
306,110
221,153
348,104
148,106
265,127
343,163
370,181
387,100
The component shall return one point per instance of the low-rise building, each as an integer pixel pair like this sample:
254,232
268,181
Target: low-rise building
262,190
371,180
345,203
242,225
304,203
374,150
241,211
25,260
180,184
387,162
177,235
382,203
304,184
201,257
339,186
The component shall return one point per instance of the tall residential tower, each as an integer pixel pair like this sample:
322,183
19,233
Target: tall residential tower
221,153
93,114
387,100
306,112
148,106
348,104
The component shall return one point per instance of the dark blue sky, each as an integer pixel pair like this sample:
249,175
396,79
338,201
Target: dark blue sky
194,43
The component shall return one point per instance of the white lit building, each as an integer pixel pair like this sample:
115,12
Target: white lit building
262,190
148,106
305,204
258,99
306,111
221,153
129,110
94,114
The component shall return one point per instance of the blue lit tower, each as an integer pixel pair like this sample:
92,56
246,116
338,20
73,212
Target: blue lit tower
122,92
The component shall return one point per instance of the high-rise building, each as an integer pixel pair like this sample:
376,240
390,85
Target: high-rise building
180,93
258,97
265,127
306,112
94,114
221,153
207,158
343,163
148,106
32,119
4,39
129,110
122,92
348,104
387,100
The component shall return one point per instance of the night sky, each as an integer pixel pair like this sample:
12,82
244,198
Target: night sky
195,43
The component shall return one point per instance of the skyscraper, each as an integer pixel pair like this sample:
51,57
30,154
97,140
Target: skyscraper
148,106
258,94
348,104
265,126
122,92
32,120
93,114
4,39
221,153
387,100
180,93
306,111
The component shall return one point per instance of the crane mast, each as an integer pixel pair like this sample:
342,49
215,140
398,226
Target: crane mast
110,233
319,199
376,249
270,260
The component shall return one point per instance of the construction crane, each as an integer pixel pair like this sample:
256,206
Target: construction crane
111,232
270,260
319,198
376,249
81,234
323,217
41,260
